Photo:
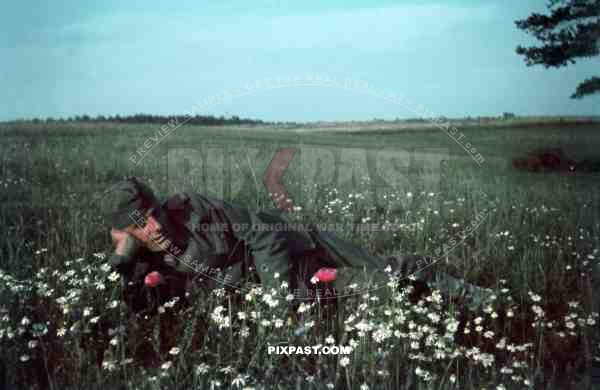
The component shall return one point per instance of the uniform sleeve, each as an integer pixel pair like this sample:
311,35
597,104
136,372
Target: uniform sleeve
121,264
195,258
214,268
125,263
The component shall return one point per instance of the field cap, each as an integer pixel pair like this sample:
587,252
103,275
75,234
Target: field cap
129,201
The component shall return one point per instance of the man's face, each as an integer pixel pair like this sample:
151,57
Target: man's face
148,232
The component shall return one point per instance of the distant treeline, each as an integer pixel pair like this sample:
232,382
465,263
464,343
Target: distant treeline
505,118
206,120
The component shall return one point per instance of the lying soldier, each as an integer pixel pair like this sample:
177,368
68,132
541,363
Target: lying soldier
165,250
191,239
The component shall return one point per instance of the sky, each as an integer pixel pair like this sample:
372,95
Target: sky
454,58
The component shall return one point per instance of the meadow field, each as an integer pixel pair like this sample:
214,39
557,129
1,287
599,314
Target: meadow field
536,247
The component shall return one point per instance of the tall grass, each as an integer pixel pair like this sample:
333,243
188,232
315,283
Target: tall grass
536,248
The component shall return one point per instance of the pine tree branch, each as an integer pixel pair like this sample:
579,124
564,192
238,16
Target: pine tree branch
587,87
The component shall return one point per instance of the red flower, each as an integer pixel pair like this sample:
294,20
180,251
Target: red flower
326,274
153,279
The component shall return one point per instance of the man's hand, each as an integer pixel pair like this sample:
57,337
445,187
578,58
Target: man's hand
124,242
117,235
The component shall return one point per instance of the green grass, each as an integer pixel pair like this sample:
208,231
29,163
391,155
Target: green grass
52,178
